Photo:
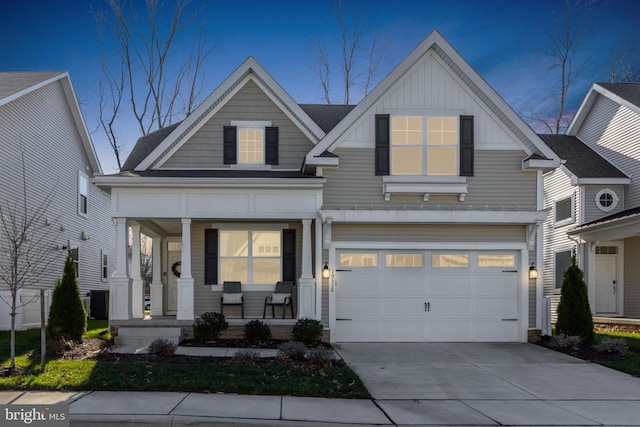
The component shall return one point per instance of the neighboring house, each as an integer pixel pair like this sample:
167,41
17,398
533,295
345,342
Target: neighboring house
423,203
594,198
40,117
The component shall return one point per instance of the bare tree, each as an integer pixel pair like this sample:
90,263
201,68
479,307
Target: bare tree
621,64
360,55
27,248
565,38
158,78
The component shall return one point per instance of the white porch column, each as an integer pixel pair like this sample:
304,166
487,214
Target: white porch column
156,282
306,283
120,284
185,281
137,290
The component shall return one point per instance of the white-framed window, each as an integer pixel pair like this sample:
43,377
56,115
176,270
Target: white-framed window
450,260
365,259
496,261
251,141
83,194
606,200
404,260
104,266
425,145
564,210
562,262
251,256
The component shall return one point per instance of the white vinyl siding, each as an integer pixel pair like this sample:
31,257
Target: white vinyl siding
41,124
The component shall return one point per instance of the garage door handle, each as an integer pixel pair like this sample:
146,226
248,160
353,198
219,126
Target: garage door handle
344,319
427,306
509,320
509,271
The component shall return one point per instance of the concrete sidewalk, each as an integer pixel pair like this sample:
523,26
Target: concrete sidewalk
411,384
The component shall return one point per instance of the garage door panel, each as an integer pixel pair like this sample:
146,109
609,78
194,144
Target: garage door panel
356,308
450,330
496,307
450,284
357,330
452,307
402,284
394,307
496,331
403,330
497,284
358,284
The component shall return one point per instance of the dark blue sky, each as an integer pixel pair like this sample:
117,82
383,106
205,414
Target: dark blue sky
501,39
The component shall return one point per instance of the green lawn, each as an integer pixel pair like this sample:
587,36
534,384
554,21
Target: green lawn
100,375
631,364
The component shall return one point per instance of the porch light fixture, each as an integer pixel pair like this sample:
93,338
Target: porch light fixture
533,272
326,273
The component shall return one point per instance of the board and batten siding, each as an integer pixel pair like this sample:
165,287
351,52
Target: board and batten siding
612,130
498,183
204,149
206,300
41,124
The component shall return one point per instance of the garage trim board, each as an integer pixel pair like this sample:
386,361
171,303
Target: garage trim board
459,293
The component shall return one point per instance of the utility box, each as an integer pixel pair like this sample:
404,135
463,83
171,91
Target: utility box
99,305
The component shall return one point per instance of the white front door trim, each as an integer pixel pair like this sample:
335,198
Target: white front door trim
591,276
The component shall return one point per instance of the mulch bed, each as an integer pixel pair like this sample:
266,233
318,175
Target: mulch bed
585,353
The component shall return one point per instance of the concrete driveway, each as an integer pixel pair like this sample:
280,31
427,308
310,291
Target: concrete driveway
489,384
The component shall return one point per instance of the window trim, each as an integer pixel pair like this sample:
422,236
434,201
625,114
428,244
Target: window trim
572,217
83,176
104,266
615,198
251,125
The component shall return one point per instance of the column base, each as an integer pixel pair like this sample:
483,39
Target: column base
120,298
185,299
156,299
307,297
137,299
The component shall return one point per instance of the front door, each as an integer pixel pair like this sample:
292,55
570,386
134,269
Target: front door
606,283
175,258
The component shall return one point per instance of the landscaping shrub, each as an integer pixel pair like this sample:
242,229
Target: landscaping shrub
257,332
292,350
162,347
612,345
67,316
245,357
320,356
209,327
574,312
307,331
566,342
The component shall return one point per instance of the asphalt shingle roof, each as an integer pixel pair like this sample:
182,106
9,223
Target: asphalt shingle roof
14,82
327,116
627,91
145,145
580,159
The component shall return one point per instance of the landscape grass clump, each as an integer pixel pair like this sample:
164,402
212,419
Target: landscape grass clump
574,312
612,345
292,350
209,327
257,332
307,331
67,316
162,347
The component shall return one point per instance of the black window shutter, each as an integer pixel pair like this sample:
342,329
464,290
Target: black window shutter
289,255
229,145
210,256
466,145
383,142
271,146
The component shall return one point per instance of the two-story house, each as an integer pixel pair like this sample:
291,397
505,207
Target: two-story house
41,123
412,216
594,199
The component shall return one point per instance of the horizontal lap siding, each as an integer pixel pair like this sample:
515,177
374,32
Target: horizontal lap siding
591,210
631,277
41,124
204,148
498,183
208,300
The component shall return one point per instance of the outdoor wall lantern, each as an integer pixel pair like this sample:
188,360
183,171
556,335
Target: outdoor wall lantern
326,273
533,272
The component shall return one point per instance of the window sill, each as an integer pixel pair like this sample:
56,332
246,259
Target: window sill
426,185
250,166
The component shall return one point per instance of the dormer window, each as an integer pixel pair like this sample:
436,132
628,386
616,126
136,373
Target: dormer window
250,143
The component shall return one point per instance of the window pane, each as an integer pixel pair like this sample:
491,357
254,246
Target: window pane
442,131
496,261
266,270
266,243
234,243
606,250
406,130
174,246
450,260
84,185
563,209
358,260
442,160
563,262
250,146
234,269
404,260
406,160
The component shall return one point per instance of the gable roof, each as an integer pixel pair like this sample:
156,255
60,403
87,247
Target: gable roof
327,116
582,163
248,70
145,145
14,85
626,94
530,141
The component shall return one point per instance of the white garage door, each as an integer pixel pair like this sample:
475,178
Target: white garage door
427,296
